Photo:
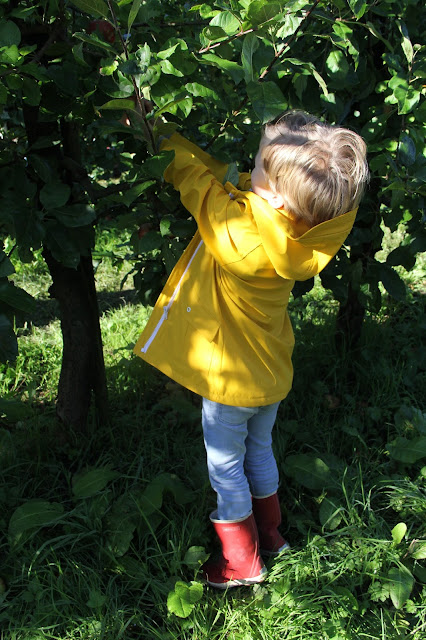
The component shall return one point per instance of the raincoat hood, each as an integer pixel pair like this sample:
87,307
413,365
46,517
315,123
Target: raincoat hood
296,251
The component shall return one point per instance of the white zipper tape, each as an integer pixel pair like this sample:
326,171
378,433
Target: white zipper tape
172,299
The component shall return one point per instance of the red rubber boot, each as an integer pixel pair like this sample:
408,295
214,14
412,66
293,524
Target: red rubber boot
267,514
240,563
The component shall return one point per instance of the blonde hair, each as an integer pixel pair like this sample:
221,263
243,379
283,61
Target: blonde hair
319,170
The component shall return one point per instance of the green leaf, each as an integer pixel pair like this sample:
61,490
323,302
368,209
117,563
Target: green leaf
310,471
418,551
93,7
88,483
9,34
232,174
337,66
398,532
406,45
155,167
405,95
330,513
10,55
406,150
128,197
75,215
201,91
400,584
233,69
195,557
8,341
54,194
95,41
250,46
6,266
213,34
31,91
32,515
96,599
359,7
134,10
226,21
16,298
168,68
407,451
119,104
266,99
392,282
260,11
184,597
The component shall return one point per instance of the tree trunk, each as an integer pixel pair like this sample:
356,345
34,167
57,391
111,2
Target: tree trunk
83,368
349,322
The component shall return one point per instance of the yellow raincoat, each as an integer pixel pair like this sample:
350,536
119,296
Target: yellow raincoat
220,327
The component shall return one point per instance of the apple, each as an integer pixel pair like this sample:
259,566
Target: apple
144,228
104,29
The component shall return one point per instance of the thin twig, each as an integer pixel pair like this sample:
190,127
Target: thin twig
217,44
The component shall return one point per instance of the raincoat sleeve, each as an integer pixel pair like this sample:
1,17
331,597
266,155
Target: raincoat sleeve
197,177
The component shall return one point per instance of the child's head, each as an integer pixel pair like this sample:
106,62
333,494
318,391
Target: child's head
313,170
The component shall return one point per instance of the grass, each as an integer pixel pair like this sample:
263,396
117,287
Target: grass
98,532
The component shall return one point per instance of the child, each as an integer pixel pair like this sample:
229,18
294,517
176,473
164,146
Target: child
220,326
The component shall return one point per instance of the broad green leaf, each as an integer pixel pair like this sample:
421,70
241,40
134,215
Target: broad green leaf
96,599
201,91
8,341
398,532
128,197
155,167
250,46
168,68
14,410
93,7
75,215
214,34
9,34
266,99
10,55
418,551
406,96
406,45
400,584
32,515
15,297
54,194
309,471
134,10
260,11
406,150
232,174
88,483
6,266
195,557
392,282
403,256
337,66
407,451
226,21
330,513
119,104
359,7
184,597
95,41
231,68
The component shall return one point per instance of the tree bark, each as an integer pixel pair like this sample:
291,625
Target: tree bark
83,367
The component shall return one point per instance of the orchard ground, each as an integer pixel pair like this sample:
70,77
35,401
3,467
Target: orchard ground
102,533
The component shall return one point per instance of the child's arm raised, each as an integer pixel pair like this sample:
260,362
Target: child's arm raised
217,214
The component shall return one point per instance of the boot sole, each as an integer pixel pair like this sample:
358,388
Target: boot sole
242,582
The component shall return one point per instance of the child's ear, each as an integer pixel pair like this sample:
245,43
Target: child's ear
276,200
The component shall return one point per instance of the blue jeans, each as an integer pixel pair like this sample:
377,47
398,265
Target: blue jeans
240,460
